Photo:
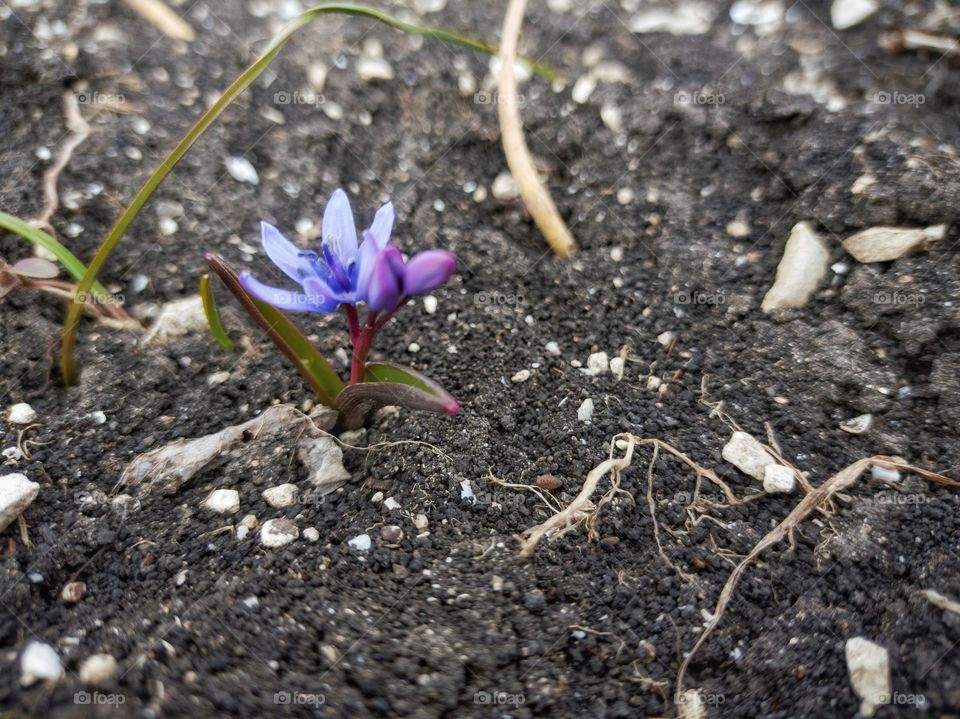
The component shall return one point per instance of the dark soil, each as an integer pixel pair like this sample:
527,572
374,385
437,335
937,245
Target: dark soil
435,625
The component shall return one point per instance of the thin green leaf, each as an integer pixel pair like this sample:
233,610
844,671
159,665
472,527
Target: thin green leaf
213,314
38,237
317,372
207,119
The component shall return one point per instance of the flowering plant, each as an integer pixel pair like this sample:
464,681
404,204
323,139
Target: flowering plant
344,274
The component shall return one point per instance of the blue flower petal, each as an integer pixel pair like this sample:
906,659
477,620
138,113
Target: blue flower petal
382,225
283,253
280,298
366,259
339,231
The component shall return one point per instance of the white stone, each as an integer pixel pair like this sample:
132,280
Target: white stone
97,669
361,542
654,382
39,661
281,496
738,229
311,534
224,501
242,532
390,503
884,244
413,348
176,319
747,455
504,187
667,338
21,413
869,667
324,460
847,13
617,366
16,494
684,18
626,195
278,532
598,363
553,348
374,68
585,411
583,88
430,304
521,376
801,270
757,12
466,490
612,116
778,479
857,425
242,170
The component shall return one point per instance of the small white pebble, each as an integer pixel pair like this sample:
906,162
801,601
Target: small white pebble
521,376
430,304
361,542
21,413
553,348
311,534
666,338
885,474
616,253
598,363
413,348
617,366
241,170
585,411
390,503
625,195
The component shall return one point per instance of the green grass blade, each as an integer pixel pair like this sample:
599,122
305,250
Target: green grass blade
311,365
213,314
38,237
193,134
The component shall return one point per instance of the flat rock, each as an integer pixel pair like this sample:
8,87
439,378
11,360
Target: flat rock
801,270
224,501
282,496
16,494
748,455
869,666
585,410
778,479
176,319
885,244
278,532
324,461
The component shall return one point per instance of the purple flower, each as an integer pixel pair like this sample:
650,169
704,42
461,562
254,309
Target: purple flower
345,273
339,275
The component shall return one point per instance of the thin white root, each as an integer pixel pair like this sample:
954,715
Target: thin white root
79,131
815,499
535,195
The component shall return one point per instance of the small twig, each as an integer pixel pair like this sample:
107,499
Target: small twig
535,195
80,131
